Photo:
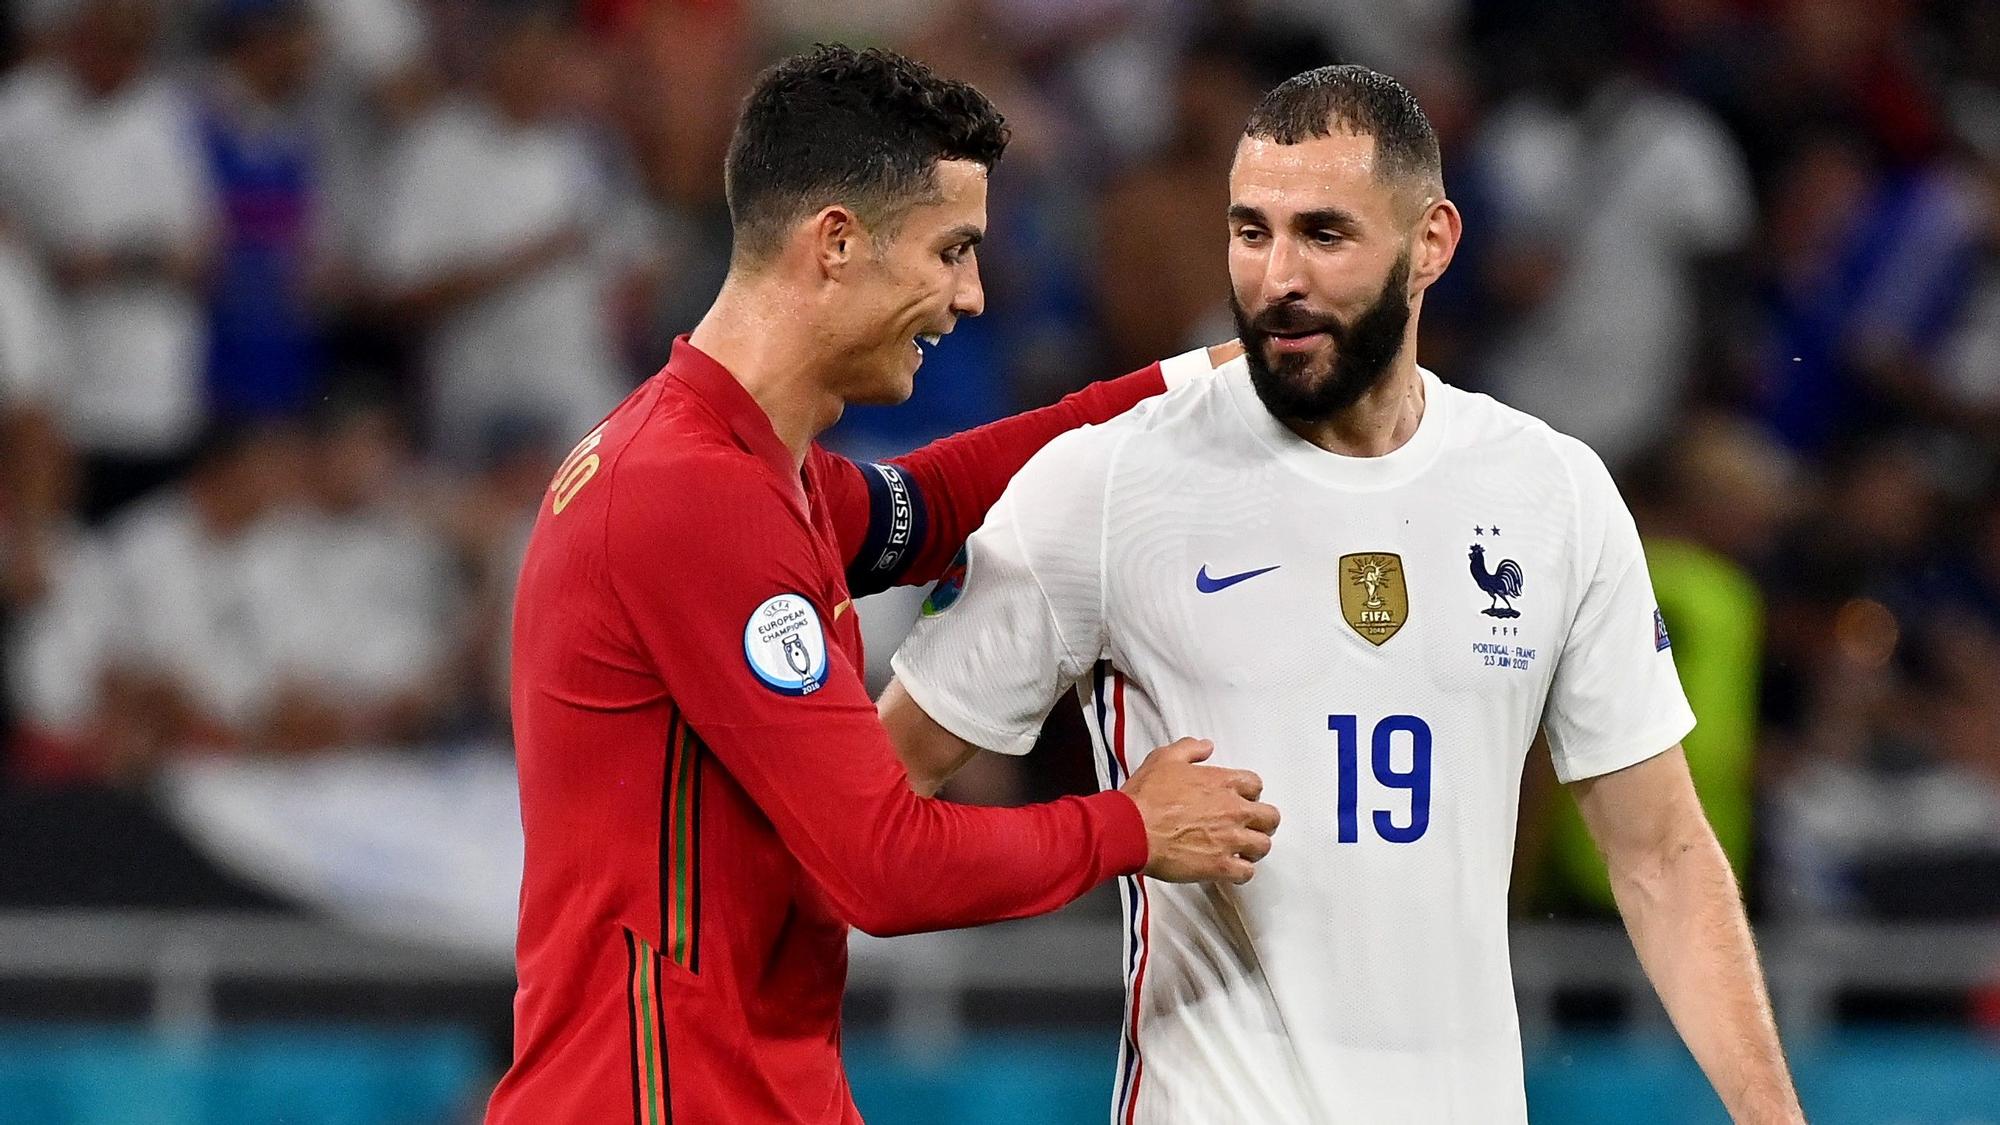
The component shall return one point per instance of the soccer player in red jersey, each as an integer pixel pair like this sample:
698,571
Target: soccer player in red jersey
708,796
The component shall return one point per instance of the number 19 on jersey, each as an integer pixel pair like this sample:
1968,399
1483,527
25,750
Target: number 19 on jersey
1416,779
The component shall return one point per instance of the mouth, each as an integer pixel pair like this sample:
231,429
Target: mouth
922,339
1293,342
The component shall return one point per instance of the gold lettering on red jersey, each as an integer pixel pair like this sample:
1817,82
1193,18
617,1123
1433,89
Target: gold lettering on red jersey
576,469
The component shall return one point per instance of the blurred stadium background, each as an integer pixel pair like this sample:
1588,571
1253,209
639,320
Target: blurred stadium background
301,300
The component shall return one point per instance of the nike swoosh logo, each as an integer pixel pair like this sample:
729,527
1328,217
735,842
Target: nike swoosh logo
1209,585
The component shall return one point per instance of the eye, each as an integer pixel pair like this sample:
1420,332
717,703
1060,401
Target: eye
957,254
1326,238
1250,236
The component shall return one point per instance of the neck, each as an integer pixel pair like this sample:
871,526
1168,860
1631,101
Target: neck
761,330
1378,423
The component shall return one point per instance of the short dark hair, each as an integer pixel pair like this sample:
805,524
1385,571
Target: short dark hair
862,128
1357,100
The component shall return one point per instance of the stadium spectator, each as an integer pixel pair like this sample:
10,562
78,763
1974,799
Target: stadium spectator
1610,194
1150,214
1815,259
79,827
76,826
1872,271
500,240
265,357
679,72
376,75
356,593
106,176
196,658
1873,809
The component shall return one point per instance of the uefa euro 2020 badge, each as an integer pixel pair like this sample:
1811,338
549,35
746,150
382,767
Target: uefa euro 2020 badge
950,586
785,645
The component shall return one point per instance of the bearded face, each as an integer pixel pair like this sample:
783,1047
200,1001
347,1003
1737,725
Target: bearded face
1308,366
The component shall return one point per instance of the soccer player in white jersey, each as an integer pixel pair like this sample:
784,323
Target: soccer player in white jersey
1373,589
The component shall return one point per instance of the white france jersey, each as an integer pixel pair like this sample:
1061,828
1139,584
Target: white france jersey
1379,638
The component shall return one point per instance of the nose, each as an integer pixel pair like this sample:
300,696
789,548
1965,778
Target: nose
970,300
1284,274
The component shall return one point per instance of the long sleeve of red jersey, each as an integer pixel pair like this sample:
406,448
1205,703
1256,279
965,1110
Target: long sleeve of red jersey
901,521
728,592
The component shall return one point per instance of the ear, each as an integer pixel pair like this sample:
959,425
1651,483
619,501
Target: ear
1435,242
837,236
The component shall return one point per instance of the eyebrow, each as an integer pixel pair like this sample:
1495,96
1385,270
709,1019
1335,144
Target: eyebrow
1322,217
1325,217
966,233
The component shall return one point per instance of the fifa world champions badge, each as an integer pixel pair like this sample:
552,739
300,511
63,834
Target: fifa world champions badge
1374,598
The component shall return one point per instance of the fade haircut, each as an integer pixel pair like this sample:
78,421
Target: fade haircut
1360,102
865,129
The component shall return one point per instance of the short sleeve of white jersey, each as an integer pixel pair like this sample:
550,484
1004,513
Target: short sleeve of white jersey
987,661
1616,699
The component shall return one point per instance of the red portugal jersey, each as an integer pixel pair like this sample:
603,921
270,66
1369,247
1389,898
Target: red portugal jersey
708,797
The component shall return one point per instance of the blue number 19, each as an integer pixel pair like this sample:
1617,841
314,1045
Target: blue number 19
1416,779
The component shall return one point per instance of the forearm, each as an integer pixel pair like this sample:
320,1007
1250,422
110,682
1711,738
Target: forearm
951,866
442,292
183,264
1685,915
893,862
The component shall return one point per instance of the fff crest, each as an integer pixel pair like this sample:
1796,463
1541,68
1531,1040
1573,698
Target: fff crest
1374,598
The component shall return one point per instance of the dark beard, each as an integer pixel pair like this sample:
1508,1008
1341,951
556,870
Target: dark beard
1363,349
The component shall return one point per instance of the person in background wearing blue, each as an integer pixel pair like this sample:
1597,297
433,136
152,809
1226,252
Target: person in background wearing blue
266,347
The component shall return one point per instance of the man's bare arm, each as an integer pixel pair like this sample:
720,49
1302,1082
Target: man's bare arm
930,752
1681,905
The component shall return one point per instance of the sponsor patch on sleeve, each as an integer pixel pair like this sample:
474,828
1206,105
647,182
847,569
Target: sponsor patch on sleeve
1661,642
785,645
945,594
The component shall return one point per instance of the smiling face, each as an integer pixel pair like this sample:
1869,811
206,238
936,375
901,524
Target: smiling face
911,282
1320,270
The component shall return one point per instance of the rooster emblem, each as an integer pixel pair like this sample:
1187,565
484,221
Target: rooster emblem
1502,584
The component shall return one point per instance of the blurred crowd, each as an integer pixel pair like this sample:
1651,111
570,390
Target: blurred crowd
302,300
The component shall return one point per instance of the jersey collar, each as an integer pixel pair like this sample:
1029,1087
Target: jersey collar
1352,474
715,386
